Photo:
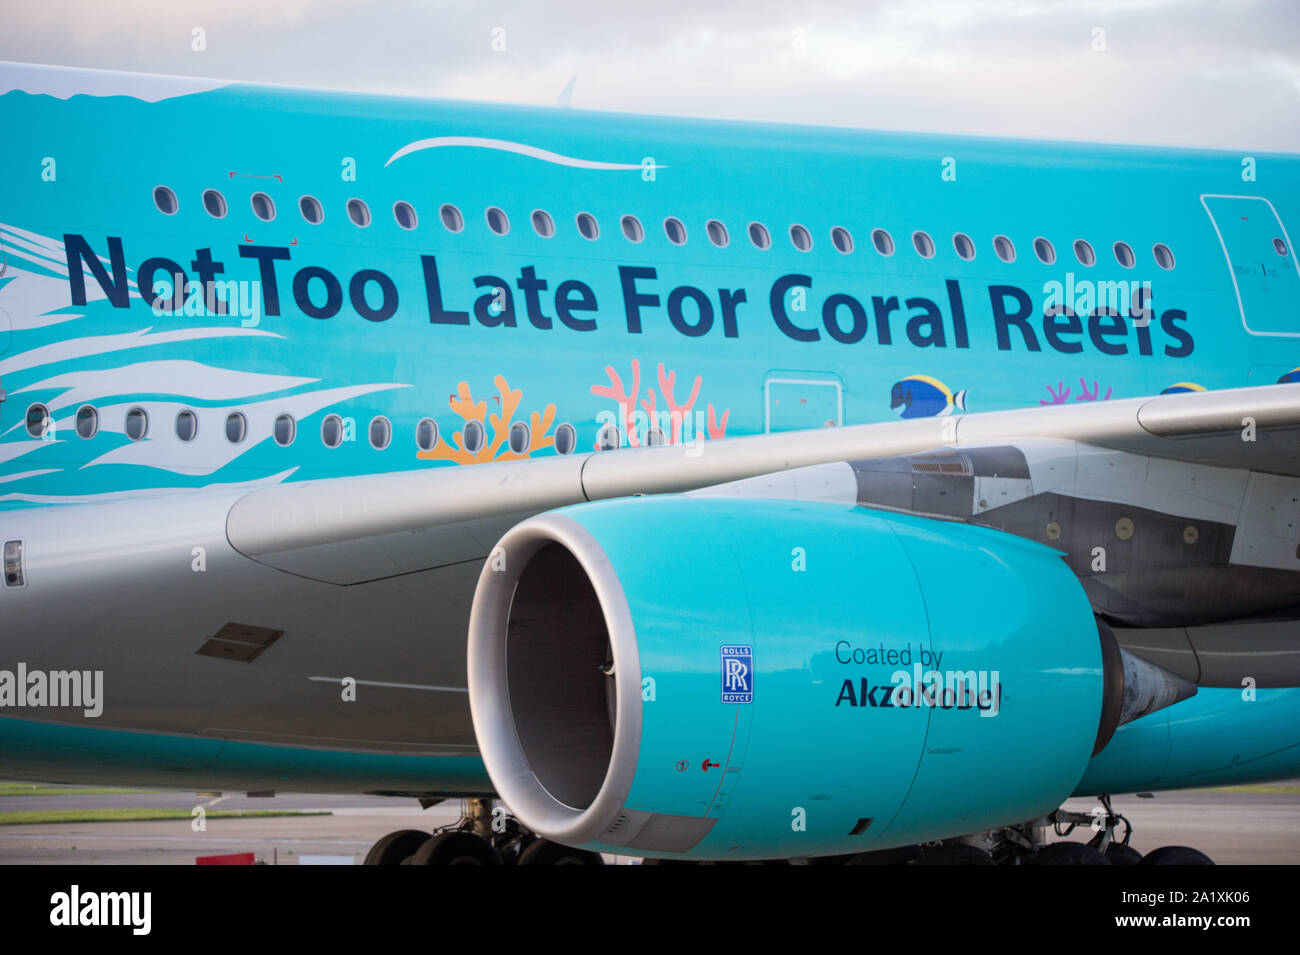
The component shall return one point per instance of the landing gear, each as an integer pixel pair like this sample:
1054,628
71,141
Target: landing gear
483,835
546,852
396,847
456,848
1027,844
1176,855
1067,853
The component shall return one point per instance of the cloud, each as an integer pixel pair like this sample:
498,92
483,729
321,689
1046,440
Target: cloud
1214,74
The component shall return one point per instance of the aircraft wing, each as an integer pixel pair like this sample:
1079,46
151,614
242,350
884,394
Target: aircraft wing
349,530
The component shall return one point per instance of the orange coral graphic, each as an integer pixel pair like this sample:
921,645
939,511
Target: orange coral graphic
677,414
497,449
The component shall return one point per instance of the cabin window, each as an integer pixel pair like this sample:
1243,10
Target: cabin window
474,436
359,213
1279,247
165,200
1124,255
1044,250
566,439
717,233
632,229
236,427
800,238
404,215
87,421
313,213
137,424
497,221
452,220
963,246
1164,256
286,429
841,239
187,425
1004,248
543,224
38,420
426,434
1084,253
263,206
609,439
923,244
381,432
883,241
759,235
331,431
214,203
587,226
520,438
675,230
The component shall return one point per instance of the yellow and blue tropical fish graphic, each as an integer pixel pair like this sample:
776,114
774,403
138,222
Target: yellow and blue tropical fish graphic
1182,387
921,396
1290,376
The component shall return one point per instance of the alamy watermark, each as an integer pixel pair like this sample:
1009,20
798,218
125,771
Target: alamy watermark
53,688
208,299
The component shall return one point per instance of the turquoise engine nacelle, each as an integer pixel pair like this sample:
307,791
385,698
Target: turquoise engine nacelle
738,679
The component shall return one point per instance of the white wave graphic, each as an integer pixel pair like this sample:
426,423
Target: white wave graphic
210,451
48,248
55,261
10,450
10,478
103,344
279,478
505,145
189,379
34,301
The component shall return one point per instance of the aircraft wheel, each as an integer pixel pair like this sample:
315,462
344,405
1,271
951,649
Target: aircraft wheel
396,846
1118,854
1176,855
546,852
456,848
1067,853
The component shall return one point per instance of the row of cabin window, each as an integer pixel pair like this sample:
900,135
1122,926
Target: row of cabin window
674,229
473,437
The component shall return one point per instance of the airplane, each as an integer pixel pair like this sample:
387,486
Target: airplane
689,490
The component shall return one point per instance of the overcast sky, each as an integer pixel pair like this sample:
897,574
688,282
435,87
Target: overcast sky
1214,73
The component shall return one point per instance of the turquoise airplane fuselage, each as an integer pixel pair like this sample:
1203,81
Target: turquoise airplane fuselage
211,285
401,319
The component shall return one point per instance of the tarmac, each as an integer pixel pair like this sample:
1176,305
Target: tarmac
1229,826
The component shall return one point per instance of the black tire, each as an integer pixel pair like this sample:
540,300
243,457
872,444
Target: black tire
953,853
546,852
456,848
1122,855
1067,853
1176,855
396,846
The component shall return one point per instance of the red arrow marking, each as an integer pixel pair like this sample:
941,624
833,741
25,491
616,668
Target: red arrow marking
708,763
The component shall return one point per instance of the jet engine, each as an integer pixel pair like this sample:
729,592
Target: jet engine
721,678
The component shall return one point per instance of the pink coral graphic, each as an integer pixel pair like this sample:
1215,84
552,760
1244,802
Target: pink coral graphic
677,411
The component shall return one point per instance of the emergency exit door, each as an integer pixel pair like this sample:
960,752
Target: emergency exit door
1261,261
